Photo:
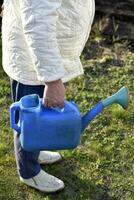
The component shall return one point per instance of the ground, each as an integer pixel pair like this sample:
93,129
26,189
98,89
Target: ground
102,167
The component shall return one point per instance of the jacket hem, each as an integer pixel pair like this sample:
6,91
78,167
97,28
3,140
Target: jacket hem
36,82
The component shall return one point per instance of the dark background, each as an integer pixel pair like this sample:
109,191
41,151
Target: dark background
120,10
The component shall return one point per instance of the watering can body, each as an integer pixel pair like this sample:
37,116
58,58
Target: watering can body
39,127
42,128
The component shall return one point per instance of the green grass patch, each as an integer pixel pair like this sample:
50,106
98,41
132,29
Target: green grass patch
102,167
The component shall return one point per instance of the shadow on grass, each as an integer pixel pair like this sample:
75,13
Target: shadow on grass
76,187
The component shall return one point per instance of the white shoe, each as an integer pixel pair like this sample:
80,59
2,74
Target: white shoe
49,157
44,182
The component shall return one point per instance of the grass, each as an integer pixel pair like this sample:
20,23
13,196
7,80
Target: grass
102,167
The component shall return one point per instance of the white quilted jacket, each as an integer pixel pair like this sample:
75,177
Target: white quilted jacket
42,40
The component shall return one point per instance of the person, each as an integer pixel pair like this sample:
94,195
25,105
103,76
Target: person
42,42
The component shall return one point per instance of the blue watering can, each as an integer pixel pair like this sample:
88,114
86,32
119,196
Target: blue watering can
42,128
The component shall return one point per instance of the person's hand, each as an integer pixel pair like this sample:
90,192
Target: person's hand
1,10
54,94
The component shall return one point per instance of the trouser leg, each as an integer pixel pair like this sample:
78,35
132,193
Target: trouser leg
27,162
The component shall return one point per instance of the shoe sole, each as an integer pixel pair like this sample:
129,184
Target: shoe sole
47,192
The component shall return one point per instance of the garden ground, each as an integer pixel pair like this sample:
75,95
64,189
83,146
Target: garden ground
102,167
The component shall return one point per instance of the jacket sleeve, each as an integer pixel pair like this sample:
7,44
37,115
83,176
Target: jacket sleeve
39,19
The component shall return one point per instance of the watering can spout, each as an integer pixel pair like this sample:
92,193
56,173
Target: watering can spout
120,97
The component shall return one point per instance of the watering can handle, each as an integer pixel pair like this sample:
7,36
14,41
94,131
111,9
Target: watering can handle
56,108
15,106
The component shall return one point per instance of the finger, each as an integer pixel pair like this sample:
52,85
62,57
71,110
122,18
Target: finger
61,105
45,102
57,104
48,103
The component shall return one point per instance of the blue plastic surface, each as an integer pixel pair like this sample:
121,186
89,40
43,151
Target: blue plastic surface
13,108
89,116
46,128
